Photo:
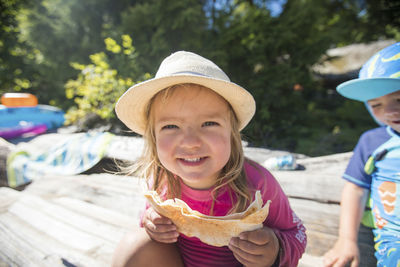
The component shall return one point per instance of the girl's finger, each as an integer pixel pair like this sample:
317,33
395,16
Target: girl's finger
157,218
245,257
159,228
242,260
260,237
170,237
248,247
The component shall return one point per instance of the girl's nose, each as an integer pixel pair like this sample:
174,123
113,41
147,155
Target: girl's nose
190,139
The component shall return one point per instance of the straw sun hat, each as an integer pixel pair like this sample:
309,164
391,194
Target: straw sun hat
183,67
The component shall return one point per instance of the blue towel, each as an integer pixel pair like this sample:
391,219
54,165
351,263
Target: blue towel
72,156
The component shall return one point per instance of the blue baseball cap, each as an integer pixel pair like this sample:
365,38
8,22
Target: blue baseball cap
379,76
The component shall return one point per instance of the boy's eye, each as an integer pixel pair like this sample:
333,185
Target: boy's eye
375,105
210,123
169,126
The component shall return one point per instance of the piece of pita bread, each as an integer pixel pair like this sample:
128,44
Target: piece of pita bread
213,230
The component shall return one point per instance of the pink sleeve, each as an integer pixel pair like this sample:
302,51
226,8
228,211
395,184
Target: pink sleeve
288,228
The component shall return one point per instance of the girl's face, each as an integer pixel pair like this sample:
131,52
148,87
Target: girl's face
387,109
193,134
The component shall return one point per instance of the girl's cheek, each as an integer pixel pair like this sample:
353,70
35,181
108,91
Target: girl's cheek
164,143
222,139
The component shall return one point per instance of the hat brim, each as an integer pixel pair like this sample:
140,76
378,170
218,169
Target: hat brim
132,105
367,89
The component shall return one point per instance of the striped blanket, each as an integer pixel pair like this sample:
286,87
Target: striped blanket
73,155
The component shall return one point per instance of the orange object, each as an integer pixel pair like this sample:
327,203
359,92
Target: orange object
19,100
387,192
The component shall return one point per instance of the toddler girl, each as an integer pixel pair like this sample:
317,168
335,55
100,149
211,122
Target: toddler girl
190,116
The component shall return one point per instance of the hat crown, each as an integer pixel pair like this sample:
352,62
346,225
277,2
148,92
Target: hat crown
182,62
180,68
384,64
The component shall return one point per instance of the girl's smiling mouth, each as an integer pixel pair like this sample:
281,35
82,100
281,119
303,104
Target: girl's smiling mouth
192,161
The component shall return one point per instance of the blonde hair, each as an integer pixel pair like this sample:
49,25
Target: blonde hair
232,174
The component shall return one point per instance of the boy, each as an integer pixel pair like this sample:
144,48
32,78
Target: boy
375,165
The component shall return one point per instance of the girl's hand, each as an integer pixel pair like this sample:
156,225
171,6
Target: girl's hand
343,252
255,248
158,227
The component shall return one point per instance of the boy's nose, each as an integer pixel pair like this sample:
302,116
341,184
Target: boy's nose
392,109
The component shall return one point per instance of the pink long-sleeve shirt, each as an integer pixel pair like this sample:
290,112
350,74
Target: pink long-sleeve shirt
281,218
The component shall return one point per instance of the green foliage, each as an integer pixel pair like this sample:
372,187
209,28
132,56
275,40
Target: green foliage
59,32
160,27
98,85
15,72
381,16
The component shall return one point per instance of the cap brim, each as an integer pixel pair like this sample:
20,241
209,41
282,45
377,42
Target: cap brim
367,89
131,107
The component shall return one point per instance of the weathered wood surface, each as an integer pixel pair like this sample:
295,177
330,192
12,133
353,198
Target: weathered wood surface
78,220
320,181
314,195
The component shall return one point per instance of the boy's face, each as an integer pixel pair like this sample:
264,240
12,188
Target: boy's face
387,109
193,134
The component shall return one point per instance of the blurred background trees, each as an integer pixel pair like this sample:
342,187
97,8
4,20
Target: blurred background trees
82,55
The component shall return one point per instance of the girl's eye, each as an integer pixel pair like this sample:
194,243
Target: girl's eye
169,126
210,123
